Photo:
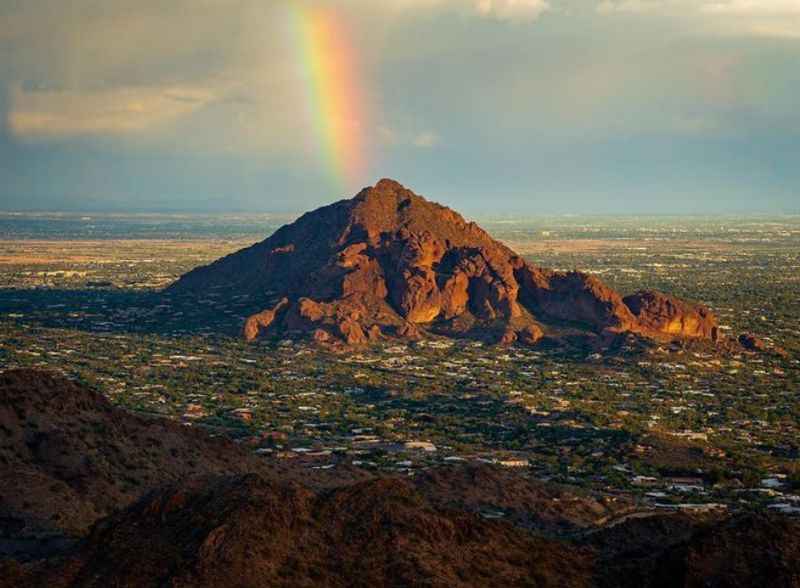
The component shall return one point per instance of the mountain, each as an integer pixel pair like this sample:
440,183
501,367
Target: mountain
253,532
68,457
248,531
390,264
148,502
666,551
92,495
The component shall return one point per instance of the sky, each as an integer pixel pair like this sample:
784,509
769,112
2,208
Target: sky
490,106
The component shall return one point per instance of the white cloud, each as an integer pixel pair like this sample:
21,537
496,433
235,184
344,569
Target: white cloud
512,9
612,6
757,18
499,9
154,71
719,7
107,112
785,30
753,7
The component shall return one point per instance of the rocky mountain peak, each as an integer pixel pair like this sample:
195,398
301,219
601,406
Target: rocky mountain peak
390,264
387,188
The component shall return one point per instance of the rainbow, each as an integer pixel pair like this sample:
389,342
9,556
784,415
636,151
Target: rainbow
336,108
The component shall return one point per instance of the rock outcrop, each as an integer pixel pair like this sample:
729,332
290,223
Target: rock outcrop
390,264
262,320
661,313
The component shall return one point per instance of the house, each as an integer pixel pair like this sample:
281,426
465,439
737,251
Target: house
420,445
194,411
644,481
243,414
514,463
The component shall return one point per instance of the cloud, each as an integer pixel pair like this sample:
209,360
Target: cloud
721,7
755,18
753,7
612,6
106,112
219,88
758,18
112,67
512,9
148,70
778,30
227,74
496,9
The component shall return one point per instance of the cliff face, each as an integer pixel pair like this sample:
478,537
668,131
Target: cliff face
391,264
665,314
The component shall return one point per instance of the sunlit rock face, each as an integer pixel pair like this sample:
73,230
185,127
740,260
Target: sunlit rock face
389,264
659,313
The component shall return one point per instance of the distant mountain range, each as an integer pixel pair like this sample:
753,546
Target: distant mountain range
389,264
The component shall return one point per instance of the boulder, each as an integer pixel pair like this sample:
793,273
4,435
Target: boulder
257,323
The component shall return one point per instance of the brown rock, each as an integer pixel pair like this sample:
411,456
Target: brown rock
455,295
658,313
575,297
67,455
321,336
367,282
417,296
351,256
408,331
508,337
259,322
351,332
530,335
311,310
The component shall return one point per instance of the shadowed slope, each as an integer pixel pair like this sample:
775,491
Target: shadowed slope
67,457
253,530
249,531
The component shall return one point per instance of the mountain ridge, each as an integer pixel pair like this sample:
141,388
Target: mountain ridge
249,526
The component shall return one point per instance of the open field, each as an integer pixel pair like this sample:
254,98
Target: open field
75,254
